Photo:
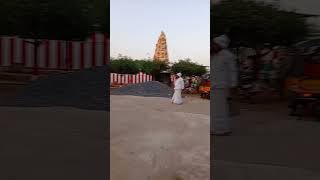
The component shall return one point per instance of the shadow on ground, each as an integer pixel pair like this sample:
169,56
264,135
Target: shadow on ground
267,144
53,143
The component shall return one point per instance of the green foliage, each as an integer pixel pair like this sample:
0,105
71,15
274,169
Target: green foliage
253,23
188,68
58,19
127,65
160,66
146,66
124,65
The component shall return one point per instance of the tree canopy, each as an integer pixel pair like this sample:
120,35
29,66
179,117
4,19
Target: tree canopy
58,19
188,68
152,67
252,23
127,65
124,65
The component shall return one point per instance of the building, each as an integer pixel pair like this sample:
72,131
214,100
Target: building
161,52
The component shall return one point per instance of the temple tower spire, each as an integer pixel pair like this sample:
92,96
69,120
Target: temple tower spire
161,52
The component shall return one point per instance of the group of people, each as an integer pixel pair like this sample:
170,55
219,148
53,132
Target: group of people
224,79
265,68
225,76
180,84
192,82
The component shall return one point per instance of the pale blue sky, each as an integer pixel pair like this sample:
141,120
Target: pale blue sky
136,25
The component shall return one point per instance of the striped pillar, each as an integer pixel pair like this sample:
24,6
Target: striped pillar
82,55
69,55
17,52
76,55
12,50
93,50
59,54
105,49
1,53
5,51
23,52
52,54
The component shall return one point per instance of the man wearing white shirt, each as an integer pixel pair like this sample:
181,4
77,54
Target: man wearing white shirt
178,87
224,78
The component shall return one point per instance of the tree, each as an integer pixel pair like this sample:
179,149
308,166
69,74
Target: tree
146,66
124,65
188,68
58,19
252,23
127,65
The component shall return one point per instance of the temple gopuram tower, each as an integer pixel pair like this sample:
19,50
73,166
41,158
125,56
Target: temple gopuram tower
161,52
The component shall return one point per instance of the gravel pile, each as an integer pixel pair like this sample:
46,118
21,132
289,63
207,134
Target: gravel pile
147,89
85,89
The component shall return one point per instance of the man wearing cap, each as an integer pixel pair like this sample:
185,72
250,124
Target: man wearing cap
224,78
178,87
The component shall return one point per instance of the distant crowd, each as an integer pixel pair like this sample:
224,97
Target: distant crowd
264,68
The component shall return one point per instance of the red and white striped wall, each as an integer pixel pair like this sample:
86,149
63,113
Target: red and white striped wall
56,54
130,78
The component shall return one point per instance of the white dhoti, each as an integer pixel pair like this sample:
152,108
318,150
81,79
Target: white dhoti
177,98
220,117
224,76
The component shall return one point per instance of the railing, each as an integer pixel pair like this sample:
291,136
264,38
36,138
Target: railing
130,78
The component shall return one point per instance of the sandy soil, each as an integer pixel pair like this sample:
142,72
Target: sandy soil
152,139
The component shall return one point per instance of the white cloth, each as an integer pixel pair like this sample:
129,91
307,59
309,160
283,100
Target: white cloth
178,87
224,77
224,73
179,84
223,41
177,98
220,118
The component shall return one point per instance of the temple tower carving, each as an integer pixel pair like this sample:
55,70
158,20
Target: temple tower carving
161,52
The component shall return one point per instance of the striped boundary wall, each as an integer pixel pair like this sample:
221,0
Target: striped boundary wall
130,78
56,54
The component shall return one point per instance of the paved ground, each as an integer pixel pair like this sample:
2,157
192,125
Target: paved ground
151,139
167,142
267,144
8,93
53,143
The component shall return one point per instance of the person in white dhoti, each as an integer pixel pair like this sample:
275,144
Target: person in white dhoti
224,78
178,87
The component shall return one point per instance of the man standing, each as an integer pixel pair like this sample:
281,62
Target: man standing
178,87
224,78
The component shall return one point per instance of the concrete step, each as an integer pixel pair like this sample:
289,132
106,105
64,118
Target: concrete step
9,91
28,70
4,82
19,77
